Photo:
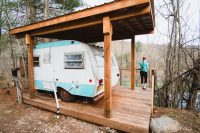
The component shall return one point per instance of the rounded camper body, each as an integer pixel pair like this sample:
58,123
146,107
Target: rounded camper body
73,66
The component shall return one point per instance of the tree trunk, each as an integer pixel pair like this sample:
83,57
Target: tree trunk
1,10
194,87
32,11
46,9
0,19
46,14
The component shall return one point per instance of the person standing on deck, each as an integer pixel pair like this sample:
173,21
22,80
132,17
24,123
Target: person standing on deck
144,67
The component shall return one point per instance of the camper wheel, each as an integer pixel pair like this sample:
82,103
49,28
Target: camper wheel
64,95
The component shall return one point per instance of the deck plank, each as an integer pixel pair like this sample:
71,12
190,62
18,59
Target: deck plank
131,109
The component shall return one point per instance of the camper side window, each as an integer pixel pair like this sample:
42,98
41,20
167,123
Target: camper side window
36,61
74,61
100,60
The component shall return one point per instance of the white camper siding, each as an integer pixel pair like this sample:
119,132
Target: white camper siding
114,65
115,71
66,75
77,81
98,57
43,72
93,51
68,79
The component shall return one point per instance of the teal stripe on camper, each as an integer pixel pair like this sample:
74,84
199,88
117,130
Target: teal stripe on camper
38,84
56,44
83,90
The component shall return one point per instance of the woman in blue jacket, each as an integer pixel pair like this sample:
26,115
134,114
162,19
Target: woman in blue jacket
144,67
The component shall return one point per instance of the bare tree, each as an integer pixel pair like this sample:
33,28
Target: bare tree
182,62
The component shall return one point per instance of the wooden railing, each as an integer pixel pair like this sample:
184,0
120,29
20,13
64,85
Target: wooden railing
124,77
152,81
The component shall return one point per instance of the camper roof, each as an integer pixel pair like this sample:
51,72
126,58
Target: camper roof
56,44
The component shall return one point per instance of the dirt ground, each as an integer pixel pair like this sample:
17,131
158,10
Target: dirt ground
15,118
188,119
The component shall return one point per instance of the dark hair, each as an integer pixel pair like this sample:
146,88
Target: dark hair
144,58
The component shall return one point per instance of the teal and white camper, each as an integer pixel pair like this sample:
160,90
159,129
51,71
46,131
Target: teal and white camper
73,67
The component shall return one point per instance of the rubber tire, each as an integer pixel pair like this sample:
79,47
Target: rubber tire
64,95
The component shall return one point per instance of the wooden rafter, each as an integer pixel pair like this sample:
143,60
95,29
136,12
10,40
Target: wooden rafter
128,25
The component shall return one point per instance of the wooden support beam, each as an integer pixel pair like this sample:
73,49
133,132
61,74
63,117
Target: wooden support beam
133,63
152,12
107,31
30,44
152,89
60,28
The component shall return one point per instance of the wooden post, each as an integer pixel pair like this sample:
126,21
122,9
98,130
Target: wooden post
30,44
107,31
152,89
133,63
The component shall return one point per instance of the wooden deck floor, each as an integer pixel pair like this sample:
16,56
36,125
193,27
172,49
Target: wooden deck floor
131,110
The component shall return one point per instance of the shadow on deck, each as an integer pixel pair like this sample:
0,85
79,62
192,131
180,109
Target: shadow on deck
131,110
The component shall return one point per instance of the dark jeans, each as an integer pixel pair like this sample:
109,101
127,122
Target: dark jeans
143,76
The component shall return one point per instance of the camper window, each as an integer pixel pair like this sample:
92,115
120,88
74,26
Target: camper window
100,60
36,61
73,61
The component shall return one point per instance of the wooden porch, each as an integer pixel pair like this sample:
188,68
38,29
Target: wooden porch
131,109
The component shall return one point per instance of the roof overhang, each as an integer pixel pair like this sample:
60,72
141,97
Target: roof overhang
128,17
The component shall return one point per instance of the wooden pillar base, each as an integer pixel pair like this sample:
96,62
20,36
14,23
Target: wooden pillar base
107,114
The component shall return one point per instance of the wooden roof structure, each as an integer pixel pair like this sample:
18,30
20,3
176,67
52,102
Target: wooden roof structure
128,18
120,19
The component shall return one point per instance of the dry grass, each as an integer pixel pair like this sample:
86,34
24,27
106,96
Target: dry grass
188,119
4,82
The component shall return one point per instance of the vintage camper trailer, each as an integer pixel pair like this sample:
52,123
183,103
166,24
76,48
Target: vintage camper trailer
75,68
